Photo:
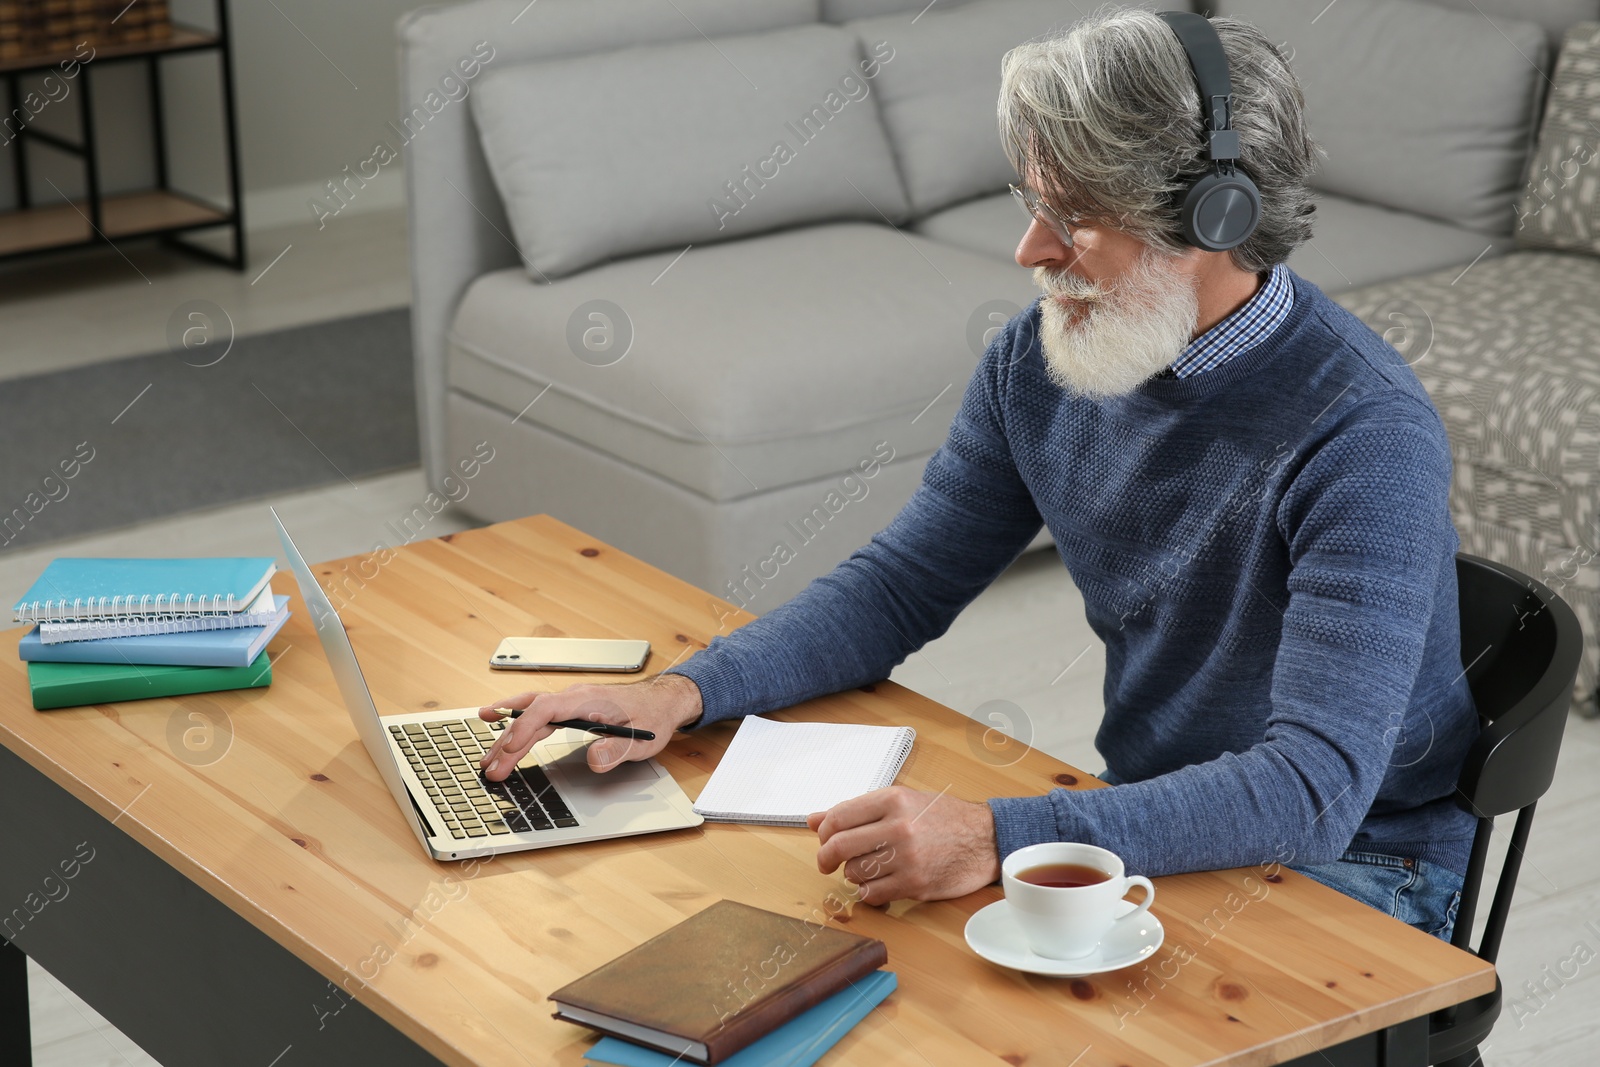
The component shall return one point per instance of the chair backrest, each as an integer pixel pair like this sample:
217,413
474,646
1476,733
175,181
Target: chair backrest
1520,645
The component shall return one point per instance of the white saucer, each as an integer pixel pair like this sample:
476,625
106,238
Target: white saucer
993,933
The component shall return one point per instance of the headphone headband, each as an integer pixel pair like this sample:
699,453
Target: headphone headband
1210,66
1219,210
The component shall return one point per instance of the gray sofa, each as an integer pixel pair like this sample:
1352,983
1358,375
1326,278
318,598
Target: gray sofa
734,362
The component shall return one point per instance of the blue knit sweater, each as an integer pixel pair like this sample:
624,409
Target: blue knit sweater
1267,553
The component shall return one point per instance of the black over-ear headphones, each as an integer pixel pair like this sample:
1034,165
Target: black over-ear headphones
1219,210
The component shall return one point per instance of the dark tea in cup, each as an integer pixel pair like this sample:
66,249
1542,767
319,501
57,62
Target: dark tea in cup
1066,895
1063,875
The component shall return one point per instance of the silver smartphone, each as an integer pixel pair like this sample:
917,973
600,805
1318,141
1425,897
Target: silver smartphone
569,654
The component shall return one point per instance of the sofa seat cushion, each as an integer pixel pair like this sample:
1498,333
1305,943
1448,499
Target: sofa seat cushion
656,146
1355,244
1510,354
990,224
745,365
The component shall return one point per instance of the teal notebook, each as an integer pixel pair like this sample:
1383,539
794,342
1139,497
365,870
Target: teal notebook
80,588
799,1042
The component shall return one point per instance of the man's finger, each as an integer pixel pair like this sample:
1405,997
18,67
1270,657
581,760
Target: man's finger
881,891
867,866
520,701
512,744
857,811
525,730
607,752
846,845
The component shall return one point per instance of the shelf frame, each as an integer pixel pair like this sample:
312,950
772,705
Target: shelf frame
163,198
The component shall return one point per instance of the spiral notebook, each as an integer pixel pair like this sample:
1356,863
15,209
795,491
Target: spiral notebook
91,589
777,773
223,647
265,610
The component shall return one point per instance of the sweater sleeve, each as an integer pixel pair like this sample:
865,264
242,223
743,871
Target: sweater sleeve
970,517
1367,527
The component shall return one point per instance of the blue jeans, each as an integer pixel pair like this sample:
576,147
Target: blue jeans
1425,895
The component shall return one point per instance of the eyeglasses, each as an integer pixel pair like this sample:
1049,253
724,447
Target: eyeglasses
1040,210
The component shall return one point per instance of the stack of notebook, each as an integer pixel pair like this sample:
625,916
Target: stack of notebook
731,985
124,629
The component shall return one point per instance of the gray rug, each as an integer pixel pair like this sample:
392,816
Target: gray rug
282,411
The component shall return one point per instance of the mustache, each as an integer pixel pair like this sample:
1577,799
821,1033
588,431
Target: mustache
1064,284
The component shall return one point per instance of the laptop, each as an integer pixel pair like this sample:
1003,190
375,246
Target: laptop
429,761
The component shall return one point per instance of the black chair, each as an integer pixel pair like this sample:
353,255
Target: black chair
1520,643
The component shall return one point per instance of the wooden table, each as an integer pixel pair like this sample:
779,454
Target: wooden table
253,896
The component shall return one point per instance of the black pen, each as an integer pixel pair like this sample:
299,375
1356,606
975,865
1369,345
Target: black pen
605,728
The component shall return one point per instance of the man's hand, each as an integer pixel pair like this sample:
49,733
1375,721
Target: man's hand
900,842
661,705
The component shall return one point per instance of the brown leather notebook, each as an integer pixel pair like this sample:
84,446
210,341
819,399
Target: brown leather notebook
715,982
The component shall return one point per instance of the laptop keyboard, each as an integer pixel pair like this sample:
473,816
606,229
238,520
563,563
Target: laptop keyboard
445,754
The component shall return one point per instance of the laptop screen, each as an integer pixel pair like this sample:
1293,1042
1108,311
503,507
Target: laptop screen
347,673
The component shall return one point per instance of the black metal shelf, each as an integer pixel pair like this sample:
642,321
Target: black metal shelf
163,211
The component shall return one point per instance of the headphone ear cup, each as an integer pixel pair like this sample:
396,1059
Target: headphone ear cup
1220,211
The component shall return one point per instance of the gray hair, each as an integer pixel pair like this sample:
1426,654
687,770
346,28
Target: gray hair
1107,114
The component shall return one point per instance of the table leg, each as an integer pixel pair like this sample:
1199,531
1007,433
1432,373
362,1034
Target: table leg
16,1035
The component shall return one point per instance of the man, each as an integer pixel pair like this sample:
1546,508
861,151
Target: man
1246,483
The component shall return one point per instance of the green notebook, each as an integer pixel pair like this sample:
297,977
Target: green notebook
67,685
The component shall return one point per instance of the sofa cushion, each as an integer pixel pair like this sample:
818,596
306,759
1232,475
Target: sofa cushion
1355,244
1417,106
844,10
939,93
1560,208
1556,16
657,146
989,224
746,365
1510,354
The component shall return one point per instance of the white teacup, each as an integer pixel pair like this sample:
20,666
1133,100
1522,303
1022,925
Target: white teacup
1066,922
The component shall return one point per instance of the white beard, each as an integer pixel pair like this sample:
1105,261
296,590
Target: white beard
1116,337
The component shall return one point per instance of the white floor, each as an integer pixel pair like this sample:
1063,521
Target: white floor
1020,659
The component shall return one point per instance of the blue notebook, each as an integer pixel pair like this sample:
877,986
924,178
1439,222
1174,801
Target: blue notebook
205,648
799,1042
79,588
